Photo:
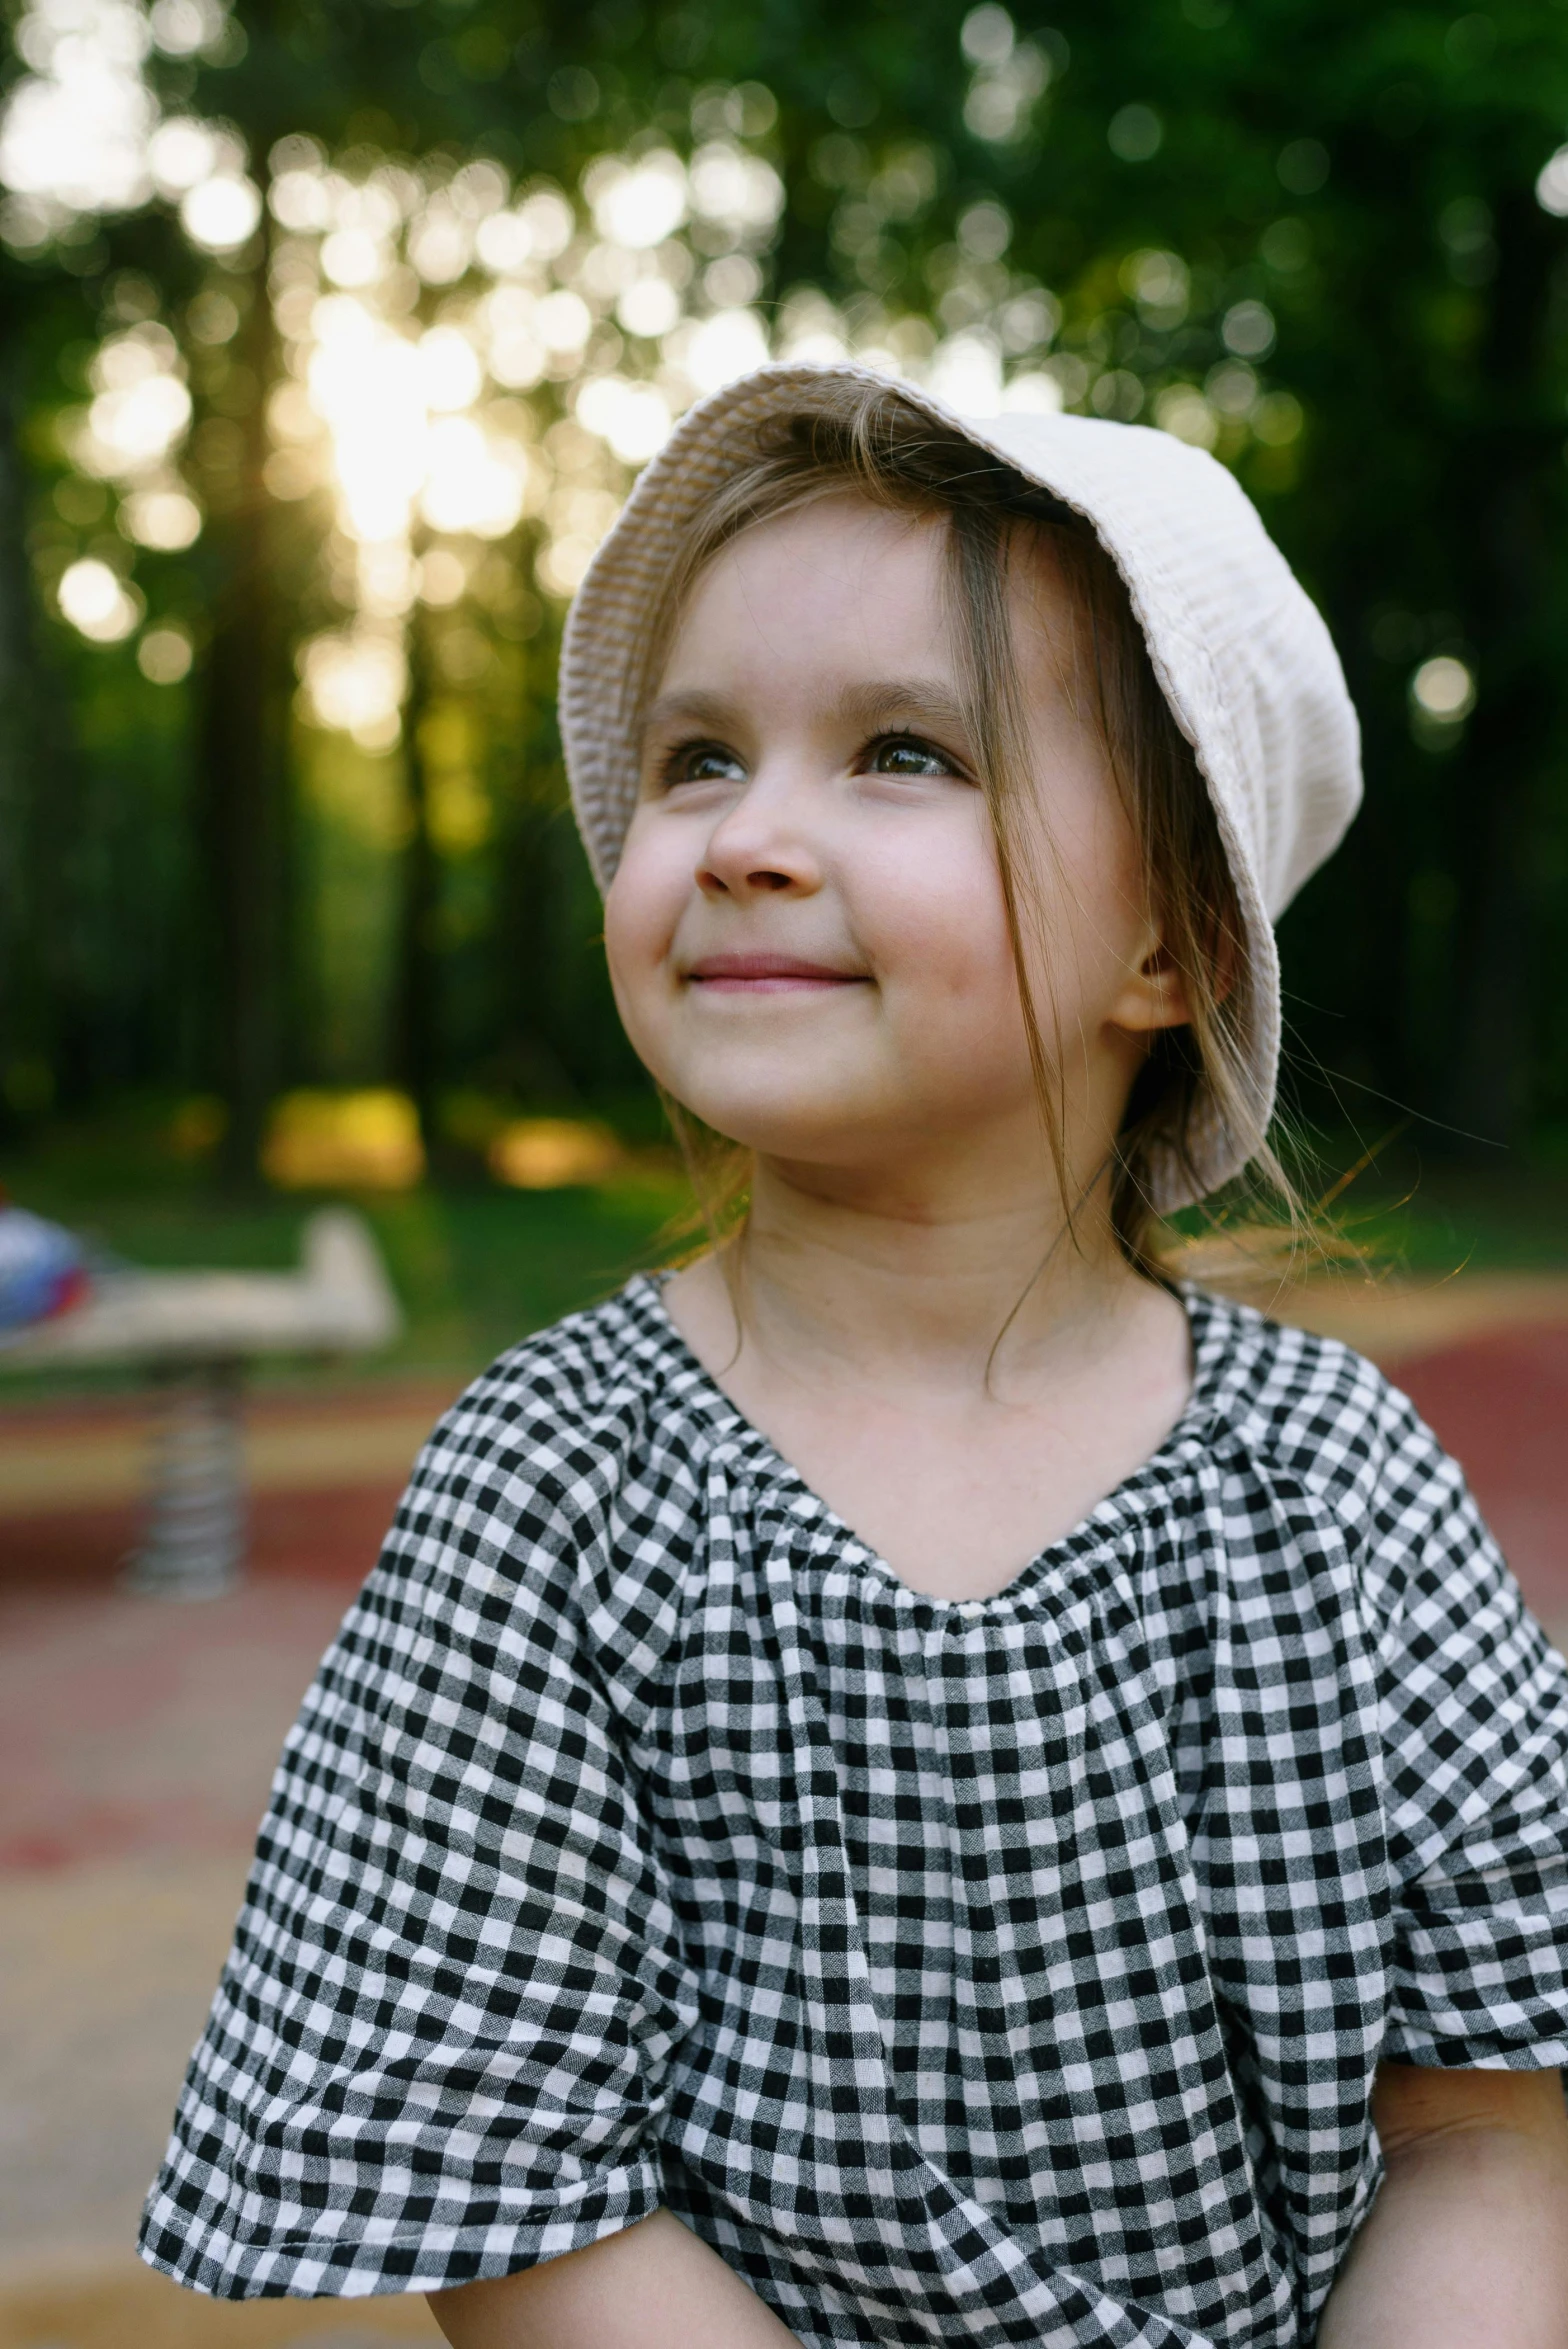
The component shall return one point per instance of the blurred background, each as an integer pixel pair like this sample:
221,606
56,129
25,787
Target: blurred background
334,333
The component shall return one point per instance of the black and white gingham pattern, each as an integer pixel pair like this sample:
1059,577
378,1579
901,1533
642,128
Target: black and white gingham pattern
1000,1972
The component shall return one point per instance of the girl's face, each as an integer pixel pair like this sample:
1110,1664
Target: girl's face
807,934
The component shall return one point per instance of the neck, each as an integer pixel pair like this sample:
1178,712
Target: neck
908,1284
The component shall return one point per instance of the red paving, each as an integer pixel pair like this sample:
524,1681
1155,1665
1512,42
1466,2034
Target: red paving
133,1730
321,1537
134,1727
1500,1403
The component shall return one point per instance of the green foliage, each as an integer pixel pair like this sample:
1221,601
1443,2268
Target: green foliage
475,1270
1301,228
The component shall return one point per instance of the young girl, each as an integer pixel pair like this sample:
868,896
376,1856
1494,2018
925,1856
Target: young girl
917,1781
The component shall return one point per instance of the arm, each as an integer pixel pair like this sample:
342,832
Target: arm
1466,2246
653,2286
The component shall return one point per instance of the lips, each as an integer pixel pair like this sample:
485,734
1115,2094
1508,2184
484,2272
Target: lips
768,974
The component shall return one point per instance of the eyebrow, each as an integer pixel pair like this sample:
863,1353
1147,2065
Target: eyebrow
692,709
871,705
902,697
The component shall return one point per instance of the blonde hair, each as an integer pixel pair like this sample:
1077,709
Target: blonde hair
869,440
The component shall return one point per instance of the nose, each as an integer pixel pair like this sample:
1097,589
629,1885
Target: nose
762,845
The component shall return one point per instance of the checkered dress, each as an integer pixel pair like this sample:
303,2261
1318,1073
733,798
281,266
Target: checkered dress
1004,1971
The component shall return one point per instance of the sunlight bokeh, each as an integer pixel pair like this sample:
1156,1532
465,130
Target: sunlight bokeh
458,358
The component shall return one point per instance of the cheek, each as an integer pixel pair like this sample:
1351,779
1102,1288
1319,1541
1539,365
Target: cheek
1096,896
935,924
651,885
640,915
1080,892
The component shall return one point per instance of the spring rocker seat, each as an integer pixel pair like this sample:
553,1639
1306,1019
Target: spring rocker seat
193,1334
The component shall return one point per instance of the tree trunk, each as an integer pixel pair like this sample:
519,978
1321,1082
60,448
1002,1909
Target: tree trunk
418,1047
1498,488
243,792
18,780
42,1016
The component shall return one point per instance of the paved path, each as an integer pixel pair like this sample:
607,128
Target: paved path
1501,1403
136,1743
137,1738
64,1460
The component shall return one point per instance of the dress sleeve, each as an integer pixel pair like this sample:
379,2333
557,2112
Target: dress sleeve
439,2045
1475,1711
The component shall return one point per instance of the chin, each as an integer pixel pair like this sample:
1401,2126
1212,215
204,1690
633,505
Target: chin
827,1133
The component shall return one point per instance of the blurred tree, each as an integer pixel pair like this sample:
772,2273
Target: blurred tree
1304,235
20,794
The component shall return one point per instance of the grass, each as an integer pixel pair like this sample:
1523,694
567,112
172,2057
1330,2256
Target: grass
1433,1216
477,1268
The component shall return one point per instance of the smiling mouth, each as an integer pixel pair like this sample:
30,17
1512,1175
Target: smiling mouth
768,974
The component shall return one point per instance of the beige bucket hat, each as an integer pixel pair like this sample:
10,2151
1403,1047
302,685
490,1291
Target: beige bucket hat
1240,651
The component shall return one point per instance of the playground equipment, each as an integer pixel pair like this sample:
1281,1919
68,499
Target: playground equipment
194,1333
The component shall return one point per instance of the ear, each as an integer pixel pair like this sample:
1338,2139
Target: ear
1154,993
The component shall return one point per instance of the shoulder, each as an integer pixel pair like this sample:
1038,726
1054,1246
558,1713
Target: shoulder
568,1392
533,1456
521,1513
1311,1412
1327,1450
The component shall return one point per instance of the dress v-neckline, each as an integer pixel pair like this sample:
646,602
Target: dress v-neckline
1113,1510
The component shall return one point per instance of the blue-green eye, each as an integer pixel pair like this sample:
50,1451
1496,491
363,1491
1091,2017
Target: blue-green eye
906,754
703,762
